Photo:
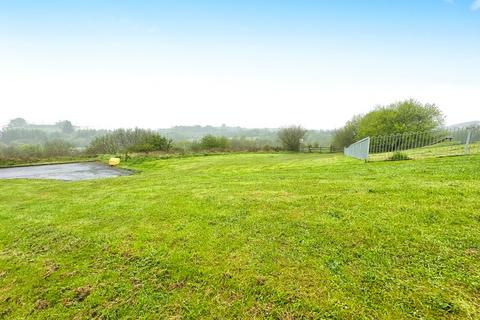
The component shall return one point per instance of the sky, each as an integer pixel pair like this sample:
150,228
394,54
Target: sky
250,63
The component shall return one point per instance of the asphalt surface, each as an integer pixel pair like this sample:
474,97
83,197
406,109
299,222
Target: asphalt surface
67,172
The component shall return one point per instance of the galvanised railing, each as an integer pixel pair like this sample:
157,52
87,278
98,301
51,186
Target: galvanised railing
359,149
417,145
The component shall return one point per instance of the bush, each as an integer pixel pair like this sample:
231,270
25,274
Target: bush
57,148
210,142
214,143
399,156
125,141
291,137
151,143
12,154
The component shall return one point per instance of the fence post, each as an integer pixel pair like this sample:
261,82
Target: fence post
467,142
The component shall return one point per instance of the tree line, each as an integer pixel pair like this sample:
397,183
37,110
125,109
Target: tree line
24,141
19,132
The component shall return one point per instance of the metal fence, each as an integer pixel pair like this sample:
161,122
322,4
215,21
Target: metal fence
359,149
418,145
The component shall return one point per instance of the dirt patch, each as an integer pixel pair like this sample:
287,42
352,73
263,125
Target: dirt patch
51,268
82,292
41,304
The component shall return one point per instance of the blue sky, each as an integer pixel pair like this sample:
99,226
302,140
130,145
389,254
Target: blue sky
250,63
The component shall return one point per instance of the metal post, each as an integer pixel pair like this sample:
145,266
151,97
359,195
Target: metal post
467,143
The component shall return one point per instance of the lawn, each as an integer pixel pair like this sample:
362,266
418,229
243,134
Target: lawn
444,149
246,236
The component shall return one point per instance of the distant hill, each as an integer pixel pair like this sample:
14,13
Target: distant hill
20,131
465,125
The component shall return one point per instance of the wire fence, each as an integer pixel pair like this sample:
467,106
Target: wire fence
418,145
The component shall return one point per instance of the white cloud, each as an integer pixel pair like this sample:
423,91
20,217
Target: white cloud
476,5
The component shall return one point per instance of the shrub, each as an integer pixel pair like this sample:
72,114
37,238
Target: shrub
210,142
399,156
10,154
215,143
125,141
57,148
149,143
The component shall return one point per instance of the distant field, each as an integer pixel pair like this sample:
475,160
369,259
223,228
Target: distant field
280,236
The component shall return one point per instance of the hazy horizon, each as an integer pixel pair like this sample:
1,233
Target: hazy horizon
191,125
254,65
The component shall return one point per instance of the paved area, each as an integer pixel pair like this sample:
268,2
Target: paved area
67,172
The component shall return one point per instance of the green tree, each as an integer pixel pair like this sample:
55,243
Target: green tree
291,137
346,135
405,116
17,123
211,142
66,127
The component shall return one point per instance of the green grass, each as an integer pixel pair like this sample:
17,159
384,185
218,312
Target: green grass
444,149
286,236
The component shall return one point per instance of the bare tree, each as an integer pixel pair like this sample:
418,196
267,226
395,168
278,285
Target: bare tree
291,137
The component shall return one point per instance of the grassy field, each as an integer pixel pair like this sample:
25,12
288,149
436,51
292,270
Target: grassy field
280,236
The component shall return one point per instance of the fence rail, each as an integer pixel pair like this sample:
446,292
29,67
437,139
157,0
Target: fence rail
417,145
311,149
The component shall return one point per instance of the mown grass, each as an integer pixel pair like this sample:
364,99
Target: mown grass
444,149
286,236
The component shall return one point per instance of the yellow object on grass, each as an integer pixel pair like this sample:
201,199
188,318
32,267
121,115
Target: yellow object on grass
114,161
